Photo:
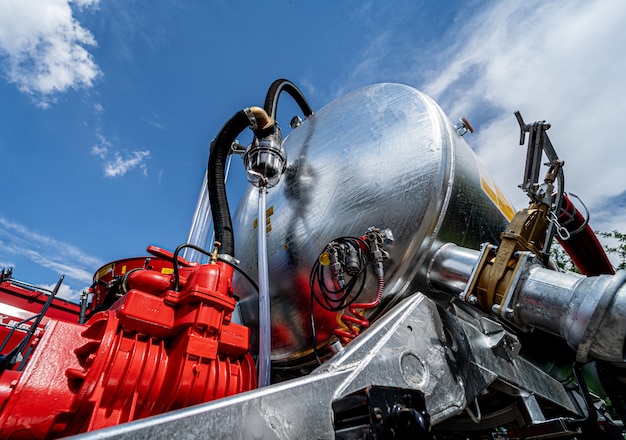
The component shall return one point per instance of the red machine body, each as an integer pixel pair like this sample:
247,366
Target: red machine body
156,349
18,299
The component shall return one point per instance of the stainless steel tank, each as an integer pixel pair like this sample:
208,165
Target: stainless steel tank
385,156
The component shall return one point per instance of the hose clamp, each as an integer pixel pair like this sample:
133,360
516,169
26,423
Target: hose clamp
228,259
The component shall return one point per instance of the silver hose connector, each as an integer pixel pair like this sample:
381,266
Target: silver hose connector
589,313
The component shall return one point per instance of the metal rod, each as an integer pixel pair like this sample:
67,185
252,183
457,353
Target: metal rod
265,324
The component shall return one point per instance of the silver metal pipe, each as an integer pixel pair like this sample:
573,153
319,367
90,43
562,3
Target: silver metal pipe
201,223
265,323
450,268
588,312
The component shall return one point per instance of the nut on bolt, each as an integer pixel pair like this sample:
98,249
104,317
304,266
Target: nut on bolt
377,414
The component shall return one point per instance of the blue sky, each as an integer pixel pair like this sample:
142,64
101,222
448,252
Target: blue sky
108,106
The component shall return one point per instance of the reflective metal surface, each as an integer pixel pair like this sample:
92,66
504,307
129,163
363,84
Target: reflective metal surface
416,345
385,156
587,312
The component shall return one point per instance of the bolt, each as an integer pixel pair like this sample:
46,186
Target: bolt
295,122
377,414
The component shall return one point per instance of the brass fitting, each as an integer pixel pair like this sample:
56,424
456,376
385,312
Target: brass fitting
497,270
262,120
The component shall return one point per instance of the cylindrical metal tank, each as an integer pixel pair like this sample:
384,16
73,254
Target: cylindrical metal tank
386,156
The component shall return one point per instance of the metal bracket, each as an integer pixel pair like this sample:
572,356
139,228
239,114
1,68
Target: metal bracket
379,412
538,143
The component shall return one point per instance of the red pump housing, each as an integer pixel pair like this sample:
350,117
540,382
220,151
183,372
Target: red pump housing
156,349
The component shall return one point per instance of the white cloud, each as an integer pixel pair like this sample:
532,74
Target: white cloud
6,264
45,47
102,148
121,165
100,151
551,60
556,61
18,242
61,267
66,291
117,164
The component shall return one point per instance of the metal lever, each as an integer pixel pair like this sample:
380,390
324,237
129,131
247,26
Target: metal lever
538,143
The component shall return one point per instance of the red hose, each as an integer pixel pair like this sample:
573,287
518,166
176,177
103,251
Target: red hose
356,321
583,247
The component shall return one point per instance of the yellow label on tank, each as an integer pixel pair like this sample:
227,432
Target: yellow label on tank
498,198
105,270
268,220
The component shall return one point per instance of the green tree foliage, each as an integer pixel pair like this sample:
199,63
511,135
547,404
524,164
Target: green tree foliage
619,249
614,245
561,258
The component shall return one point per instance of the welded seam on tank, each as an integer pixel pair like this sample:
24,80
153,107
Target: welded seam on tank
449,170
438,119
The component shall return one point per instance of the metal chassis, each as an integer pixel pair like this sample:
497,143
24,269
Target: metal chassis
451,355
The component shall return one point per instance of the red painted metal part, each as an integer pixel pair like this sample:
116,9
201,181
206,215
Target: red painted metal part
583,247
30,301
160,261
155,350
20,303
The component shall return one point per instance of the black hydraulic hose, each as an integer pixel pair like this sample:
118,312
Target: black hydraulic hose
220,211
592,415
208,254
277,87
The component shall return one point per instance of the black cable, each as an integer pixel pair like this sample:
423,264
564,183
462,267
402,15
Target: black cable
342,302
314,332
347,298
220,211
592,415
175,261
326,297
207,253
245,275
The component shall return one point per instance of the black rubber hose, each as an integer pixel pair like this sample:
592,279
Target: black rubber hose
220,211
277,87
208,254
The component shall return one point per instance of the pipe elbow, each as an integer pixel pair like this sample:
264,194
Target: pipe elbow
259,119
